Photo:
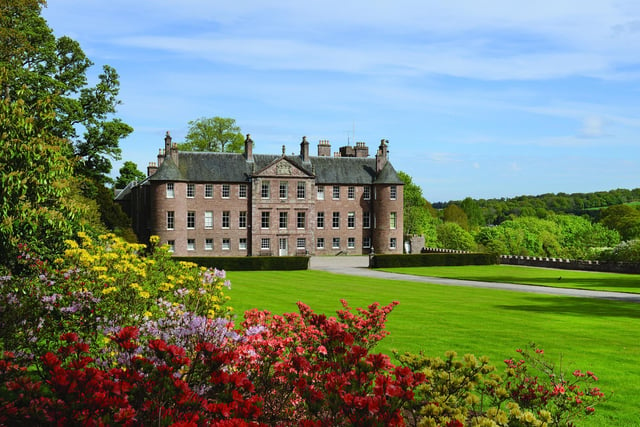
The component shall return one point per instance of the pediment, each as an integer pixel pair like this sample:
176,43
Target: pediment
282,168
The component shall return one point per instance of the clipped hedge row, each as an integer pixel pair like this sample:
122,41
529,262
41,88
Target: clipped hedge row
433,259
249,263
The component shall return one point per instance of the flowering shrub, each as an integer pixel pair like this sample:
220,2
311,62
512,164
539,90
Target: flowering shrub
97,286
319,369
530,392
118,334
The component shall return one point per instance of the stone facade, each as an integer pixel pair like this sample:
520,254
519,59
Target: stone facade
227,204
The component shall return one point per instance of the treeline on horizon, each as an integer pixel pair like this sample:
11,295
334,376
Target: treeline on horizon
498,210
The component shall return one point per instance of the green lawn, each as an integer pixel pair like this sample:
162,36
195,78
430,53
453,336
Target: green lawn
589,280
602,336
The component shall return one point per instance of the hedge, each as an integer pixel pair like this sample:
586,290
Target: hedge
433,259
249,263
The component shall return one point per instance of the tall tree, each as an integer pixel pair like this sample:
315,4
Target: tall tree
473,212
622,218
129,172
35,59
38,206
454,213
213,134
419,219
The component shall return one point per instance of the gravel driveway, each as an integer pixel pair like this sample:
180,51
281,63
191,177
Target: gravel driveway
358,266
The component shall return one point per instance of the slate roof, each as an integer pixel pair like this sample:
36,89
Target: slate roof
233,167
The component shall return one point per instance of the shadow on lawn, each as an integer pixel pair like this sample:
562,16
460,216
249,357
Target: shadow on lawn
632,282
577,307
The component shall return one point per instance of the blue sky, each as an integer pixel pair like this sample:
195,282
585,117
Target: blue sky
485,99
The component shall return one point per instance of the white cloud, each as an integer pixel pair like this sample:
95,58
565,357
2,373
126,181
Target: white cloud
592,127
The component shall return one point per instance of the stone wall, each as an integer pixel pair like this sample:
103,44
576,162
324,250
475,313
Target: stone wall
560,263
572,264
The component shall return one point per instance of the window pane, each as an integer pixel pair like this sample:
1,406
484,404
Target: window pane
225,219
170,220
191,219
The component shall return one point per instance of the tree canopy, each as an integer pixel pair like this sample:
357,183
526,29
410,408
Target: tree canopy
129,172
213,134
35,59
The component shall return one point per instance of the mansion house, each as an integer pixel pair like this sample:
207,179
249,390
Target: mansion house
245,204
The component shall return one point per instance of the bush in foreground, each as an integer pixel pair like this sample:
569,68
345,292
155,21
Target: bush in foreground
118,334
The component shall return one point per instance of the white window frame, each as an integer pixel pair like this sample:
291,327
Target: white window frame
191,191
366,242
226,244
351,220
265,217
301,243
335,192
242,219
393,220
351,192
242,243
226,219
265,244
393,192
191,244
283,220
367,192
242,191
191,220
393,243
320,220
172,245
366,219
335,220
225,191
335,243
301,218
208,191
320,243
351,243
171,190
320,192
283,190
208,244
301,190
208,219
171,220
265,190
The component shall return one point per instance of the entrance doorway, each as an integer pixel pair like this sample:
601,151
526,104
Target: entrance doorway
283,247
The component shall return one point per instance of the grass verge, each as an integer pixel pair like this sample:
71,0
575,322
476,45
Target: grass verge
589,280
601,336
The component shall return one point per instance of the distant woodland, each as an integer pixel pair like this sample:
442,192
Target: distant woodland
602,225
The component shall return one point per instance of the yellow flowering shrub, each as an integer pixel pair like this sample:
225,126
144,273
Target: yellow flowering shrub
132,278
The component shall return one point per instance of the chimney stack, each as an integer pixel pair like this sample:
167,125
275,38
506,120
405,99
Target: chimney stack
324,148
382,155
152,168
167,144
248,148
304,149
